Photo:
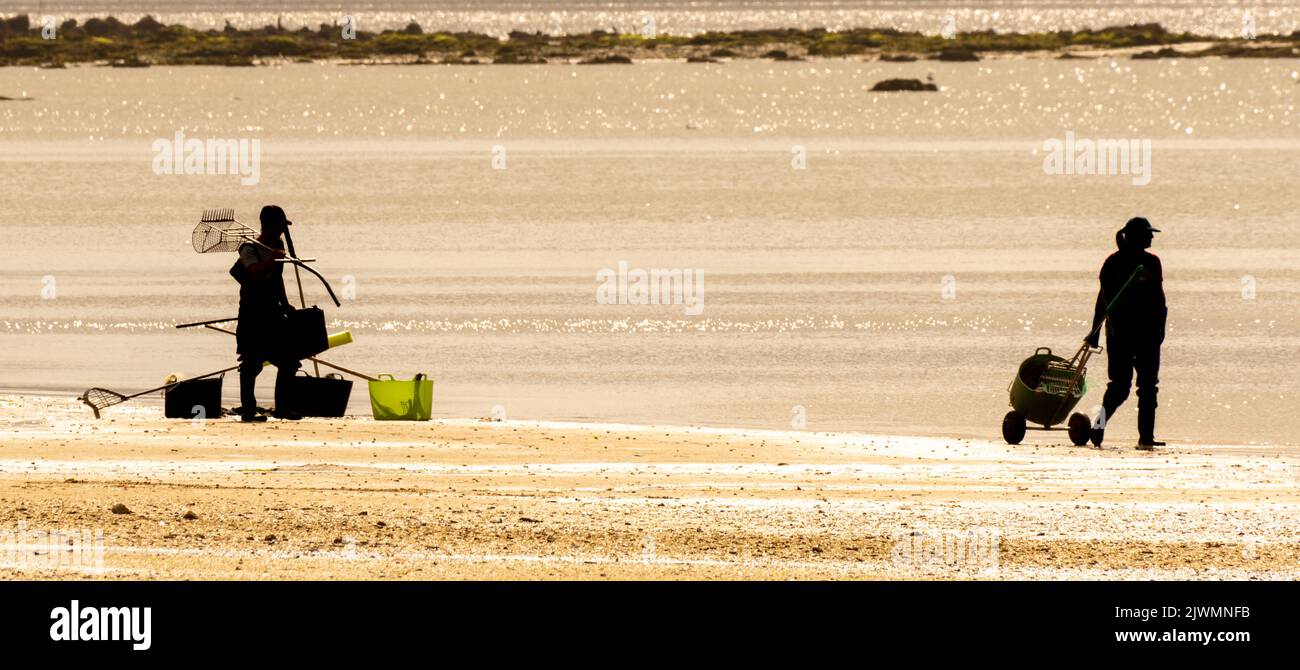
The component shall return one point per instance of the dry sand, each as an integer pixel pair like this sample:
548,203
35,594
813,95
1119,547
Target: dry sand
467,499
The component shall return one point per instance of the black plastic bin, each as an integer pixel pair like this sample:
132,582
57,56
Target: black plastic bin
320,396
306,335
183,400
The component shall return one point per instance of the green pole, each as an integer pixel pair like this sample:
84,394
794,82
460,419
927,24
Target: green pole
1137,271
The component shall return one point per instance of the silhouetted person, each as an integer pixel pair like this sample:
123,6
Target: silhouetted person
1135,328
263,310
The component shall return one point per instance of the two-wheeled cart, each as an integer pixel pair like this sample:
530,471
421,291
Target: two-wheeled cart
1047,387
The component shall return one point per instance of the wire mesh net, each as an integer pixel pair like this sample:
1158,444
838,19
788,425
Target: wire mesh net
219,231
1061,378
98,399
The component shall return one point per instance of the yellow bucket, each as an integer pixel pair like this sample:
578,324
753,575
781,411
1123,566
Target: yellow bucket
398,400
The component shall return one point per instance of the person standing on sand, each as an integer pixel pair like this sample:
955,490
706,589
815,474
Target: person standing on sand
263,308
1135,329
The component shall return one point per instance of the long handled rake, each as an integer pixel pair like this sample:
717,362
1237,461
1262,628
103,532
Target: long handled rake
211,325
297,277
100,398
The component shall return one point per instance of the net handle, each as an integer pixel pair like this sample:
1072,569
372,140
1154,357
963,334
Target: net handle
102,398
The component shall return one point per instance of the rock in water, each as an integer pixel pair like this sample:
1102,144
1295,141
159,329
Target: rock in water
904,85
958,55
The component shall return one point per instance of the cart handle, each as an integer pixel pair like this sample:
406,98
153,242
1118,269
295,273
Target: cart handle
1136,271
1114,301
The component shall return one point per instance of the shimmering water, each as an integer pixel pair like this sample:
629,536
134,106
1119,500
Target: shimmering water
824,286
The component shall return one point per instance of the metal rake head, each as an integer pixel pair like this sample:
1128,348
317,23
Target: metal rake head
218,230
99,399
218,215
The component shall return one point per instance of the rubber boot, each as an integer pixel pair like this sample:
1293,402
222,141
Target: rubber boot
1098,432
1147,428
248,397
283,391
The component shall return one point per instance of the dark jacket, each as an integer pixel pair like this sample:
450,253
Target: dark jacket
262,304
262,293
1142,311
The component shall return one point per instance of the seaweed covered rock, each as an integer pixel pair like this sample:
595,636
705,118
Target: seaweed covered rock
17,24
108,39
958,55
148,26
612,59
510,57
1155,55
904,85
780,54
107,27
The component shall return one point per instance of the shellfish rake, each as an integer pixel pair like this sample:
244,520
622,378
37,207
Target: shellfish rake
101,398
219,231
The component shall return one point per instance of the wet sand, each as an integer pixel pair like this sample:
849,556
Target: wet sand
470,499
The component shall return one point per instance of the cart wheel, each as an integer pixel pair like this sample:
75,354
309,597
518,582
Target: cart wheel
1080,429
1013,427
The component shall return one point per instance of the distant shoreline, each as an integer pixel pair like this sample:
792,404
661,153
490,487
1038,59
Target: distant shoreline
108,41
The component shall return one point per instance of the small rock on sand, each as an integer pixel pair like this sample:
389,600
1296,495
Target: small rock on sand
121,509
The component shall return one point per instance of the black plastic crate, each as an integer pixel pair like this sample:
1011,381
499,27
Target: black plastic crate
180,401
319,396
306,334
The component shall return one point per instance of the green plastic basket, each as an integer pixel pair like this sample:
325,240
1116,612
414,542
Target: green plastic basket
398,400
